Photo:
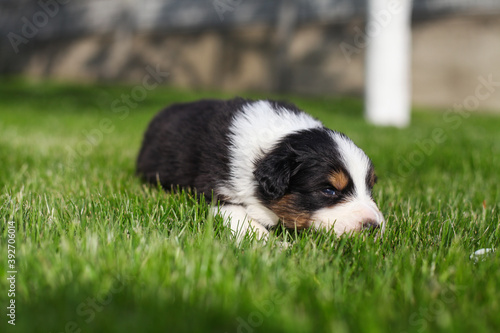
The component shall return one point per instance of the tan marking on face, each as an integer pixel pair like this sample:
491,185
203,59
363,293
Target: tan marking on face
339,180
373,179
291,217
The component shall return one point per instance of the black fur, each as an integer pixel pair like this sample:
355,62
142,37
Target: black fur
298,165
187,145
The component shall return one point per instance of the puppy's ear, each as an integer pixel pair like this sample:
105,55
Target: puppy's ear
273,173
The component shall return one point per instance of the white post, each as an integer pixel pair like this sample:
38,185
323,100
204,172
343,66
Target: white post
387,73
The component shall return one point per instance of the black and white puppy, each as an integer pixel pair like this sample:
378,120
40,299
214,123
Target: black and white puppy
265,162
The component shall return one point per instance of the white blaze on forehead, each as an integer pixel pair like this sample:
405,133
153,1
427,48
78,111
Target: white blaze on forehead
253,132
356,163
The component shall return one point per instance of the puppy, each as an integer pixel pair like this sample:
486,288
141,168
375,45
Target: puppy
265,162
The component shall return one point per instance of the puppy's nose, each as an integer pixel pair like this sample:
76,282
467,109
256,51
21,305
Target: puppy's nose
370,225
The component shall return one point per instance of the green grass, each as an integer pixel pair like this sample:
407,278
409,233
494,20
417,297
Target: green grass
97,251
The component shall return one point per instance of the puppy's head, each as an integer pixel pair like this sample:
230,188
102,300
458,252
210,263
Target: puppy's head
319,178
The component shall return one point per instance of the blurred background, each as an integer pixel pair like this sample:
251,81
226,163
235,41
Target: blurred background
293,46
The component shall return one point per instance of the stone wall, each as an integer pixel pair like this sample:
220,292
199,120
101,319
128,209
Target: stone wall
452,55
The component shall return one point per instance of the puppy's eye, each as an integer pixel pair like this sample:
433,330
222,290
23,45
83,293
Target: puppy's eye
329,191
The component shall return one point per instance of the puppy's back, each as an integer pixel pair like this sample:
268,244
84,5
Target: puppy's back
187,145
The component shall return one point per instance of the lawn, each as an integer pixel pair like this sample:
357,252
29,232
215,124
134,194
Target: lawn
98,251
